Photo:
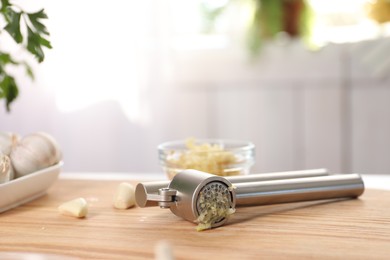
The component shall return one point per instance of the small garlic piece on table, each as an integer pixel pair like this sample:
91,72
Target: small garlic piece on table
163,250
75,208
124,197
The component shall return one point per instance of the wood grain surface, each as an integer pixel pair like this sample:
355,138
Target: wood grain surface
346,229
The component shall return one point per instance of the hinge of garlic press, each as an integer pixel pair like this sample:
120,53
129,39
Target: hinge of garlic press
165,197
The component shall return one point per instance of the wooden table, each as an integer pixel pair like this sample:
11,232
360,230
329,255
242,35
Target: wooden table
348,229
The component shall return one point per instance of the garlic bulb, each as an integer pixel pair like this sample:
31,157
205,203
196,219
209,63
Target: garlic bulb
6,141
34,152
6,171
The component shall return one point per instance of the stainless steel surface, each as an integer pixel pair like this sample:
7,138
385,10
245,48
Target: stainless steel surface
182,193
277,175
303,189
188,184
147,192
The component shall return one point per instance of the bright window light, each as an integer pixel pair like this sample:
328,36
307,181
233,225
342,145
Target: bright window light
107,50
342,21
336,21
98,53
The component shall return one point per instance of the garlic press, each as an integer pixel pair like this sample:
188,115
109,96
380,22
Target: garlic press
198,196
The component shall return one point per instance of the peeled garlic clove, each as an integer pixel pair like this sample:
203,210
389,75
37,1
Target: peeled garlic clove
124,197
6,171
76,208
34,152
7,139
163,251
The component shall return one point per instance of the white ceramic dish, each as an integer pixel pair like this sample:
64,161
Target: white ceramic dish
27,188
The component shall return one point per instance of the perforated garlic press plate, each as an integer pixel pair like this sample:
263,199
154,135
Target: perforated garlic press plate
27,188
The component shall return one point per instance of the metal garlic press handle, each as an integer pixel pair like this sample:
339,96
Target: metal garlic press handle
193,194
295,190
277,175
147,193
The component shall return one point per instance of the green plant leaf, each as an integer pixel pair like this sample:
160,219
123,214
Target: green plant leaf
29,70
4,6
5,59
8,89
13,26
32,40
45,42
34,44
34,19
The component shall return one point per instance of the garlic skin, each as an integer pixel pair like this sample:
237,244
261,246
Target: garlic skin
7,139
34,152
6,171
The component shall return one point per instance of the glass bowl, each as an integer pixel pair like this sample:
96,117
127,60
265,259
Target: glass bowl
215,156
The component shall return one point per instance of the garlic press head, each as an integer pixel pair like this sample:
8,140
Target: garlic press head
193,195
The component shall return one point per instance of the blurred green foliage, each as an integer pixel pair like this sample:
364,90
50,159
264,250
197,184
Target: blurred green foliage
27,30
269,19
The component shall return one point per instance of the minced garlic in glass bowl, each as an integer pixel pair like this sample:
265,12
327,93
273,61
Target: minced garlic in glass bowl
215,156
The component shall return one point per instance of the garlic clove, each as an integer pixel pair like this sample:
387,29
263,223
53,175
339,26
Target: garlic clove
163,250
34,152
76,208
6,171
124,197
7,139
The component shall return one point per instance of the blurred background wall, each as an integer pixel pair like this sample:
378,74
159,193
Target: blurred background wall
124,76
